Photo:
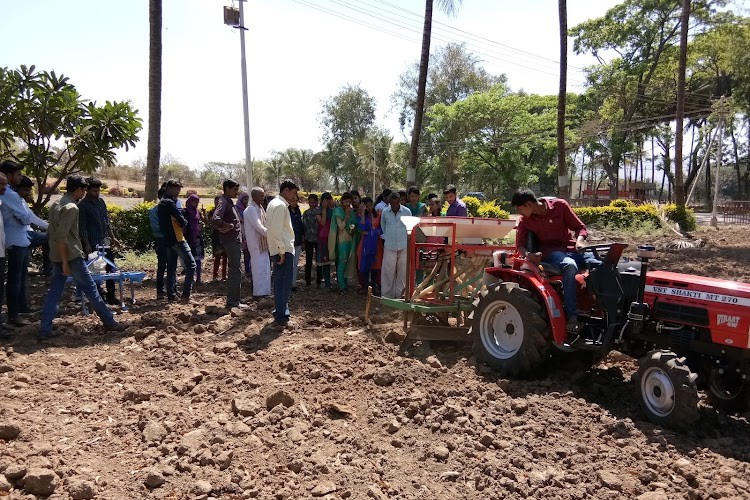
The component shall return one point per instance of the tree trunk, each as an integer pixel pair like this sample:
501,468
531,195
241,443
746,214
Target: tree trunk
736,155
563,181
709,198
153,153
680,114
653,162
583,167
411,169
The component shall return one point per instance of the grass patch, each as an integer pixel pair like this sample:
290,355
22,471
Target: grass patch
131,261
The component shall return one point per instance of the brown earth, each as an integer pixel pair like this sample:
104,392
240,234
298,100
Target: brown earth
195,402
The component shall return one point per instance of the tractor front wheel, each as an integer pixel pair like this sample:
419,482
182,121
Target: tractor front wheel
727,391
666,389
508,331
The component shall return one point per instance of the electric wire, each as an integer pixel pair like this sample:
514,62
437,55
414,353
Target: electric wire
698,98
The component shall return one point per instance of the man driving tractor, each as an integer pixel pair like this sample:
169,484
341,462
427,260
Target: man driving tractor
551,221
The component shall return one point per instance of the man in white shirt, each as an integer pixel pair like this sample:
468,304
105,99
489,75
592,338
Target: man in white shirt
383,204
254,220
16,217
393,273
280,236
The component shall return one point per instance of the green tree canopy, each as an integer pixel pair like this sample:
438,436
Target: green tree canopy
57,131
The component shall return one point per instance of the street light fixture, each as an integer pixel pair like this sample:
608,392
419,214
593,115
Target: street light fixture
236,19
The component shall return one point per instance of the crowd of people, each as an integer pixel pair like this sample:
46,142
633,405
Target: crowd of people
357,241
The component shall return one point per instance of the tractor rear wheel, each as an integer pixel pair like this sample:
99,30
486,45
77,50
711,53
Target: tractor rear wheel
727,391
508,331
666,389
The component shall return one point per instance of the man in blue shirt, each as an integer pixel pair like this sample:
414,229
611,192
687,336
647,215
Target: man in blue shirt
16,217
393,273
171,224
159,245
95,227
456,207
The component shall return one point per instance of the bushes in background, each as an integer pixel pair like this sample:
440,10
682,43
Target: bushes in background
132,226
619,216
684,217
472,205
490,210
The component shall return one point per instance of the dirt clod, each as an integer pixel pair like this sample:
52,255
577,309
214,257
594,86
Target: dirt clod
40,482
279,398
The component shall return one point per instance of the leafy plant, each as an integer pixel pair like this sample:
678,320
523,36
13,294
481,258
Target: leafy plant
618,217
685,217
132,226
621,203
489,210
472,205
59,133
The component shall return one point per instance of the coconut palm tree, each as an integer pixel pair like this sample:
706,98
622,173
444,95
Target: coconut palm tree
449,7
153,152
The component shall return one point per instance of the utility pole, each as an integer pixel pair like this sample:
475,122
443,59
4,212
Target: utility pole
236,19
720,149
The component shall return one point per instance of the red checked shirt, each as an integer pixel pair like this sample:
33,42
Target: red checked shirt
553,228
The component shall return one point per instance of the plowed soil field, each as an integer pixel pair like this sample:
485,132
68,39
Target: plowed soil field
199,402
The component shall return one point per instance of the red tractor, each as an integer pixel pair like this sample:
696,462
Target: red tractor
688,332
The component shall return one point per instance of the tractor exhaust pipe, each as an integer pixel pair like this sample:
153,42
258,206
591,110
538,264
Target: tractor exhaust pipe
639,309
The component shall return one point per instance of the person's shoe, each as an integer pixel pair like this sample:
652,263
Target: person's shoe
115,327
188,300
19,321
160,296
42,336
5,334
113,301
237,306
278,326
573,326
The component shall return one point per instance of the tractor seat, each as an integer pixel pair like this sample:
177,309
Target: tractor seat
550,269
532,245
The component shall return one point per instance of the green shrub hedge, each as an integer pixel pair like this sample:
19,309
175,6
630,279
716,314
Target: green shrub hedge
472,205
621,217
489,210
621,203
684,217
132,226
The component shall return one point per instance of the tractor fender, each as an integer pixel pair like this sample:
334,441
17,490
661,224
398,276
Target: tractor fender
535,283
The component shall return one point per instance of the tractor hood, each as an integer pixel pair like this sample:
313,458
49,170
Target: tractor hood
722,306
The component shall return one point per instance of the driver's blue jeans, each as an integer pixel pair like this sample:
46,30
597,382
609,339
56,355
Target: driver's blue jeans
569,263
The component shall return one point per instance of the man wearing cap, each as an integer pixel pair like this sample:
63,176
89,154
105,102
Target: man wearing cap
16,217
456,207
66,254
226,220
172,222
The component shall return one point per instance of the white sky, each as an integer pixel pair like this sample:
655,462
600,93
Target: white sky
300,52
